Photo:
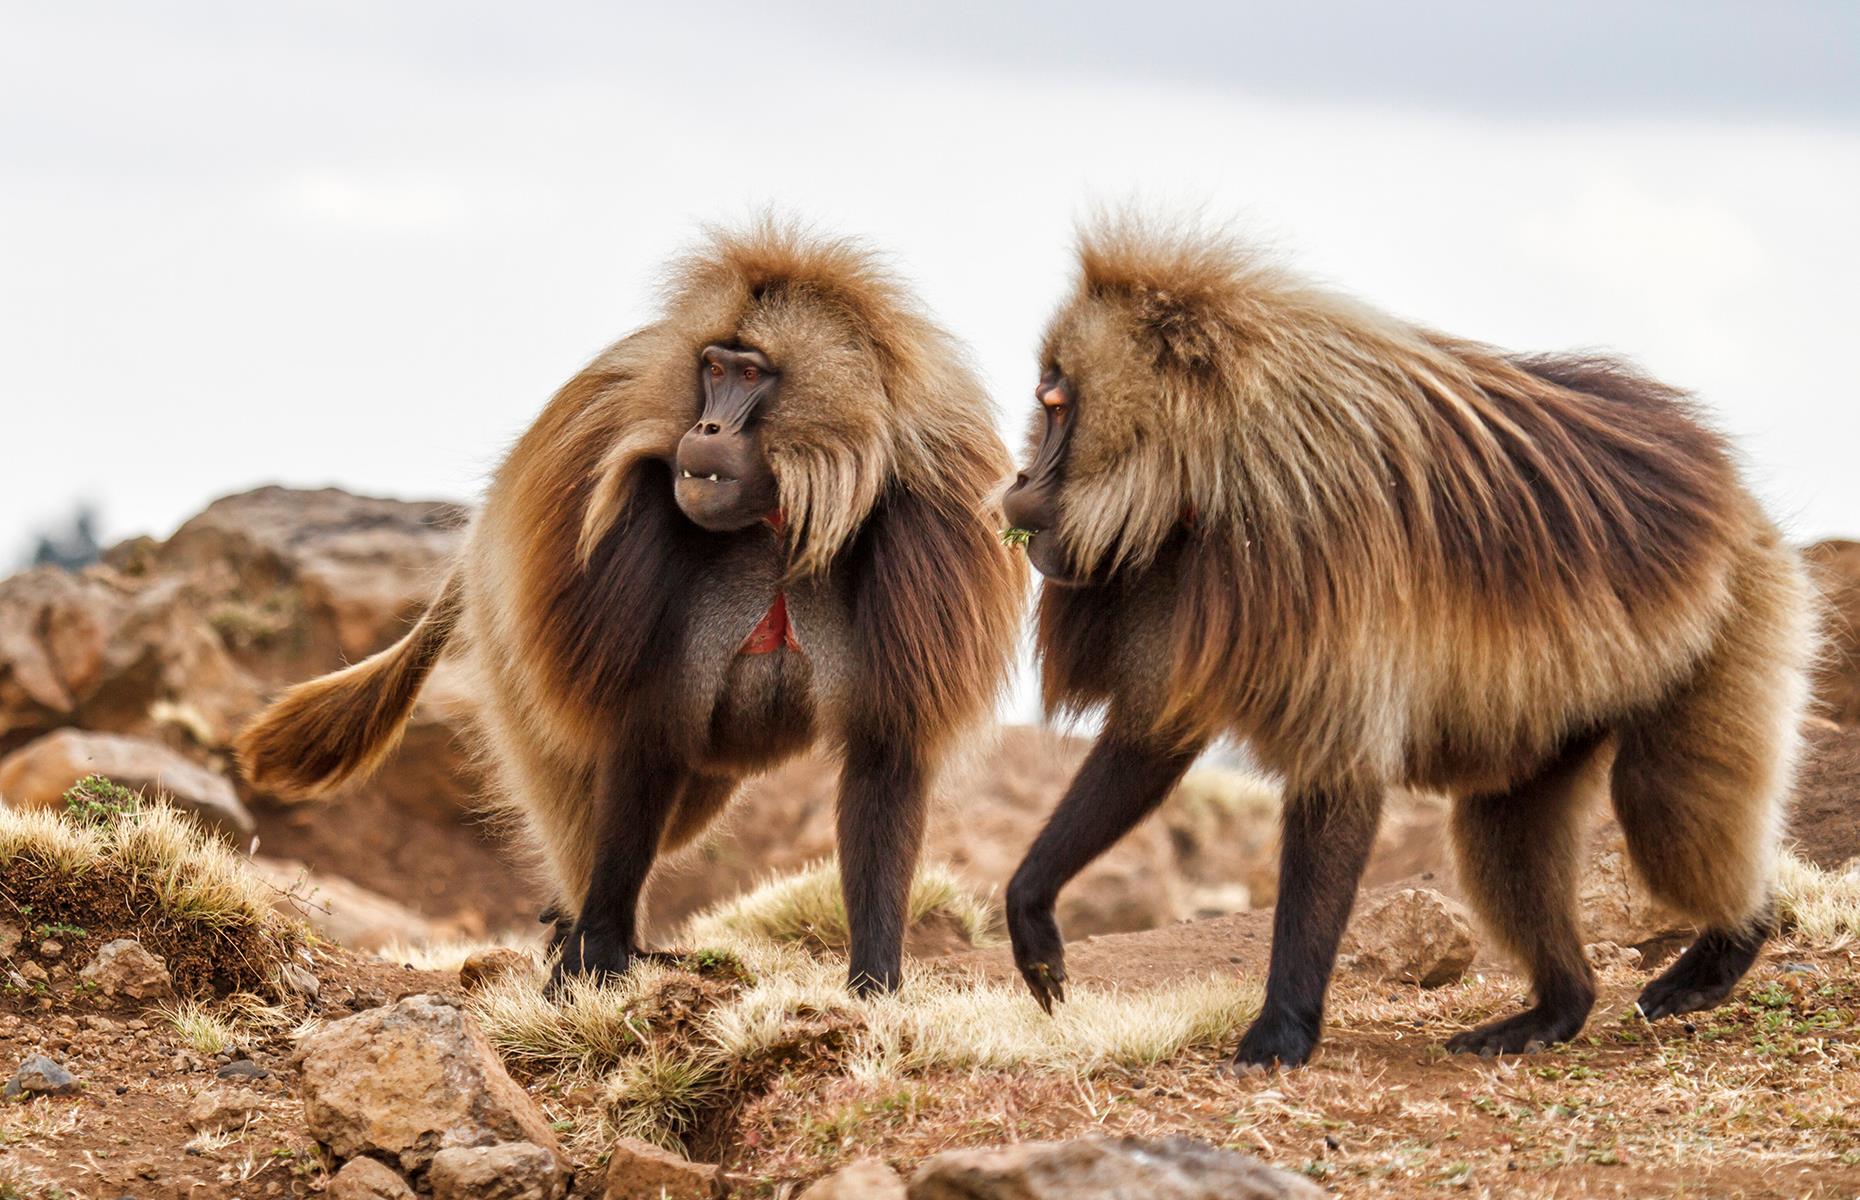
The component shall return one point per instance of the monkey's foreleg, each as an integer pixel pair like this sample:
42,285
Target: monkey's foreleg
636,792
1324,847
1119,784
881,828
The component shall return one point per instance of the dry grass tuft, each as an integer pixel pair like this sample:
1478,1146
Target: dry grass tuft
115,865
1821,907
671,1045
806,909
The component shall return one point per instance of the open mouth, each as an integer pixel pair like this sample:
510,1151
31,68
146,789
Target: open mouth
713,477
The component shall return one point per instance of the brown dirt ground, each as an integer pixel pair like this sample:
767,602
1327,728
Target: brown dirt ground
127,1133
1756,1099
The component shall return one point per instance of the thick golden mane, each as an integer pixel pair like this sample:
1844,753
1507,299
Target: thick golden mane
874,392
1324,462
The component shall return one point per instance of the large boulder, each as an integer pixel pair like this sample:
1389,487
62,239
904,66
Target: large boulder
39,774
344,912
1093,1168
408,1080
1616,906
109,650
302,581
1835,566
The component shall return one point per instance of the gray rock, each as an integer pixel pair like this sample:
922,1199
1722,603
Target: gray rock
512,1171
40,1076
1096,1168
242,1068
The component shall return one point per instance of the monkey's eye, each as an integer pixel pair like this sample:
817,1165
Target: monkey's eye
716,370
750,374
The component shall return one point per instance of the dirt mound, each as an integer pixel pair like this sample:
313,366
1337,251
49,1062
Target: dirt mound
180,642
110,867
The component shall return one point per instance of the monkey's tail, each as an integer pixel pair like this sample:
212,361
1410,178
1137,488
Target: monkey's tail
344,724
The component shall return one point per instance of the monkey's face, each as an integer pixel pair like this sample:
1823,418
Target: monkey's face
722,478
1032,503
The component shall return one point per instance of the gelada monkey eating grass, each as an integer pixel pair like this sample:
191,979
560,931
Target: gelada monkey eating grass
1385,556
759,522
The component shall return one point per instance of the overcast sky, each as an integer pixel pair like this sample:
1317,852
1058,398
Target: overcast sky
361,243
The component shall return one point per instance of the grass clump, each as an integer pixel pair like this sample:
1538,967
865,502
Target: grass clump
118,865
806,909
678,1045
1823,907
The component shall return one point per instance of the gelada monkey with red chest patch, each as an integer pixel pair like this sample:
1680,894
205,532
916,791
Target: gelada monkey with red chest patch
761,522
1383,556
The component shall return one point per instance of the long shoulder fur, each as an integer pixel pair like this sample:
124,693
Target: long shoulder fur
1320,467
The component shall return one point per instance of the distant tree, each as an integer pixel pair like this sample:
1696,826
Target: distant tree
74,546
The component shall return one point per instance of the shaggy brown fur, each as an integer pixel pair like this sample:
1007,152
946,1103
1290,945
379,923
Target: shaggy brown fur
1385,556
606,626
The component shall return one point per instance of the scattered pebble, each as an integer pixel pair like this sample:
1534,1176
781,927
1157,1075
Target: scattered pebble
41,1076
242,1068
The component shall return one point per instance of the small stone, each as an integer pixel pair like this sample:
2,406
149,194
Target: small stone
10,936
51,948
1604,955
215,1110
1415,935
511,1171
124,968
299,981
1799,968
367,1179
865,1179
32,973
639,1170
40,1076
482,966
1175,1168
242,1068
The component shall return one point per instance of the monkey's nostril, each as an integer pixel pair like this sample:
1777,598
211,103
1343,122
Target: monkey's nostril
711,427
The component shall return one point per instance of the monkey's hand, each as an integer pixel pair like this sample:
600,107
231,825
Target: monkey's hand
1039,952
592,953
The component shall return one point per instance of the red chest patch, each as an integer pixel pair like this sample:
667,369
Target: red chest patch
773,632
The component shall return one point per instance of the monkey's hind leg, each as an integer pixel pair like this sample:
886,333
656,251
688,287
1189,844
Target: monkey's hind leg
1698,789
1518,852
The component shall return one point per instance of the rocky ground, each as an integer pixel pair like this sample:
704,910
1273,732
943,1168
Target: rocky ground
278,1053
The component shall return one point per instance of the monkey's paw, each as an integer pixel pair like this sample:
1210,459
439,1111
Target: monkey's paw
1529,1031
1274,1041
592,954
1702,977
1040,953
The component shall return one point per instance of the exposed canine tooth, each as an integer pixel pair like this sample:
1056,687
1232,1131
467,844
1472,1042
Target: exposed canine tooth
713,477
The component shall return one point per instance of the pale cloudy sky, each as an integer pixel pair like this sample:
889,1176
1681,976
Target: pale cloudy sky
360,243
